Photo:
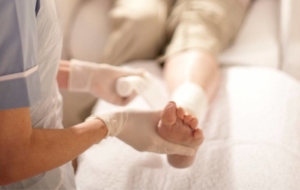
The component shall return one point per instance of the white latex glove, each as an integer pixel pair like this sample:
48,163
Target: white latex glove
139,130
99,80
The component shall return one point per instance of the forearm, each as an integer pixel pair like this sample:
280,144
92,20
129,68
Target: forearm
47,149
63,74
196,66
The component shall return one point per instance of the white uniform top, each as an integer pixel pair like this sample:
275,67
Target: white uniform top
30,49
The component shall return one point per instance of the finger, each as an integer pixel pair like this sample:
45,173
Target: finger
131,71
128,99
122,101
117,100
179,149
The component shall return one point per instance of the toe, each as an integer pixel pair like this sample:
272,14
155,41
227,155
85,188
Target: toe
169,114
193,123
187,118
198,134
180,113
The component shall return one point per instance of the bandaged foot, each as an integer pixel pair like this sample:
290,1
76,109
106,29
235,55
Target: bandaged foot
139,130
192,98
177,127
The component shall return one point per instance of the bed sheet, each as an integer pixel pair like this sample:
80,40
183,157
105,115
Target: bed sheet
252,141
257,48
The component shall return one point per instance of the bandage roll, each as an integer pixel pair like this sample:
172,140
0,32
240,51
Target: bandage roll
192,98
145,86
125,85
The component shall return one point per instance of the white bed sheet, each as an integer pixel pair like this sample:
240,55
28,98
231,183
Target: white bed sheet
257,42
252,141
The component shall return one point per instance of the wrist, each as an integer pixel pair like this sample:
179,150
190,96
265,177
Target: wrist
100,126
81,75
114,122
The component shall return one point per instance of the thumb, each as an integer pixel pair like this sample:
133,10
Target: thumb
131,71
128,99
179,149
123,101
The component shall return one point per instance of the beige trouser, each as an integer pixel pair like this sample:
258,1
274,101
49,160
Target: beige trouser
148,28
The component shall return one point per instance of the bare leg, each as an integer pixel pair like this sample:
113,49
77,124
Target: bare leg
178,127
194,66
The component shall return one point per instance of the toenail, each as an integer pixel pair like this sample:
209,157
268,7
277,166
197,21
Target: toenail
170,103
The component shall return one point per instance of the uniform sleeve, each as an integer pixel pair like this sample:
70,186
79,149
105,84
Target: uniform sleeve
204,24
19,77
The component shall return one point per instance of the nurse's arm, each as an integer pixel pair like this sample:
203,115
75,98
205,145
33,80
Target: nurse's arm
26,152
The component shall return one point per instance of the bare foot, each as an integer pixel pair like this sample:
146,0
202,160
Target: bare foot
181,128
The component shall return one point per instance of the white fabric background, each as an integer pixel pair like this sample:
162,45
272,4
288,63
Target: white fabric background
252,141
252,131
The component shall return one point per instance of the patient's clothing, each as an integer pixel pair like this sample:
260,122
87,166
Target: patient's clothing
143,29
30,43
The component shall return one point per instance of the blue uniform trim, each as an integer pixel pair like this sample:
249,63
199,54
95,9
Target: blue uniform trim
20,92
37,7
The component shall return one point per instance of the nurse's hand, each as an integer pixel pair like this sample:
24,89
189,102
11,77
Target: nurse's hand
99,80
139,130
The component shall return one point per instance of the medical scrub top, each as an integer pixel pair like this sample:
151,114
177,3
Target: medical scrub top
30,49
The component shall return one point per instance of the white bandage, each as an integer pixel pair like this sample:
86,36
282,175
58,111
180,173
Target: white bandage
125,86
192,98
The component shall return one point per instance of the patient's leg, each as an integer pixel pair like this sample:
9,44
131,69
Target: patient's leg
178,127
199,68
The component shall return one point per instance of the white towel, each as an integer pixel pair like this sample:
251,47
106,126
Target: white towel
252,141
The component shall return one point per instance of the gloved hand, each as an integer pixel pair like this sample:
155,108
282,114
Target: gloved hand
139,130
99,80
